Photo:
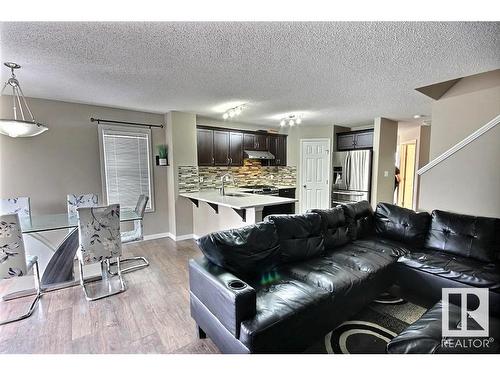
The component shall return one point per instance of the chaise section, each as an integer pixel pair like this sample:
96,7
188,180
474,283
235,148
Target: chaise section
289,315
455,268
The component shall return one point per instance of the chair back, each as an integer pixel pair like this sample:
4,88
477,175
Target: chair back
12,253
99,233
81,200
142,202
19,205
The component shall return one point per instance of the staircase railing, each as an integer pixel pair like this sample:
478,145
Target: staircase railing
445,155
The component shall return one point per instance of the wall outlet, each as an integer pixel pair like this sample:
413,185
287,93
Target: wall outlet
386,173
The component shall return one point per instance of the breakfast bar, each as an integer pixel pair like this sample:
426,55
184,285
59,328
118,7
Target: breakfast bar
213,211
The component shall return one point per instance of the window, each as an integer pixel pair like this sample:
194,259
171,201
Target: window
126,165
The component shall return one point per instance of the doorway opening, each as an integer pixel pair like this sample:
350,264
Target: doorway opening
407,164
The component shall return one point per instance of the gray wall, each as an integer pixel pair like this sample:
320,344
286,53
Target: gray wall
469,181
65,159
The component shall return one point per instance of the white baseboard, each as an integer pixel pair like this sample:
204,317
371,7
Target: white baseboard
156,236
171,236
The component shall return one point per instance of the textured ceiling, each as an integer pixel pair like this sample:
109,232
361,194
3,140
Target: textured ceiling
334,72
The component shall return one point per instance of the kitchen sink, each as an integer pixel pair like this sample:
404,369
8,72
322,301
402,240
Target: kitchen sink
234,195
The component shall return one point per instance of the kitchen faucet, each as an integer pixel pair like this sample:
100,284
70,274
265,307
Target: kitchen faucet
222,179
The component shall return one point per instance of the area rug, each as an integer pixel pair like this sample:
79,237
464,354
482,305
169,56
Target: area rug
369,331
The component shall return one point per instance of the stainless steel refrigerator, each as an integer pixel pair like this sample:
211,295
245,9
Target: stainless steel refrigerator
352,174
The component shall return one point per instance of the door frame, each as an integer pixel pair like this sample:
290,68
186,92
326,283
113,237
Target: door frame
329,164
415,164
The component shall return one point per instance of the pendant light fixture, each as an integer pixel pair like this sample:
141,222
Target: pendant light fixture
20,125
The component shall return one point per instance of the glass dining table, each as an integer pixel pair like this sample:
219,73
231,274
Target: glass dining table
59,272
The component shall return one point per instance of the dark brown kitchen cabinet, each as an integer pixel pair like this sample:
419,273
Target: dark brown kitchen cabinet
225,147
277,147
205,146
256,142
221,148
355,140
261,142
235,149
248,141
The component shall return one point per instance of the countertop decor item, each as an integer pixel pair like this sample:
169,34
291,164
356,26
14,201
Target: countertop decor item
19,125
162,157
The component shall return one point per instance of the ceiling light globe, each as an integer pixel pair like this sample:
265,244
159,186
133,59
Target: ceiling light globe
237,111
298,121
291,123
232,113
282,123
225,116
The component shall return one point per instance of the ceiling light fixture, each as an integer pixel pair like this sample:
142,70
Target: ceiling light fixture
233,112
291,120
417,116
19,127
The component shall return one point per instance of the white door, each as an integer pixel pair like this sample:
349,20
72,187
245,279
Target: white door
314,173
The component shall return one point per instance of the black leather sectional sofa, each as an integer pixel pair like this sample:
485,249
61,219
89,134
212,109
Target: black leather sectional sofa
280,285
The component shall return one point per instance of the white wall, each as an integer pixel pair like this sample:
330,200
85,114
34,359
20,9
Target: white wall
469,181
65,159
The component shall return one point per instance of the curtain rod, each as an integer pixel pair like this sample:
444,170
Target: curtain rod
98,120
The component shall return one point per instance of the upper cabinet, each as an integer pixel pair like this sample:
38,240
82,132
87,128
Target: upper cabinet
255,141
356,140
236,148
205,146
225,147
221,148
277,147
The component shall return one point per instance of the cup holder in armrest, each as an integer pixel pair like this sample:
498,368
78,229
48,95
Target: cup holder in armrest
236,284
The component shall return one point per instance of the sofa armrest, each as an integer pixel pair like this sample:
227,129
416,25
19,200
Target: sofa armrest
227,297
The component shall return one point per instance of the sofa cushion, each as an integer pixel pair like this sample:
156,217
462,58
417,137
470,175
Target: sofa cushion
469,236
392,248
334,226
339,271
401,224
359,217
286,311
425,335
456,268
244,251
300,236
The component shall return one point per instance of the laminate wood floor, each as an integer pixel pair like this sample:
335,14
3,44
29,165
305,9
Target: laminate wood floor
152,316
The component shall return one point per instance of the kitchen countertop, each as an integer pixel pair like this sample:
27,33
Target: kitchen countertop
245,201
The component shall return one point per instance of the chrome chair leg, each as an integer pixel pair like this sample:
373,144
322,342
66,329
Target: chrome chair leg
104,269
34,303
136,267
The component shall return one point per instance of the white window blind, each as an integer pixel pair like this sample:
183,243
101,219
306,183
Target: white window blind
126,157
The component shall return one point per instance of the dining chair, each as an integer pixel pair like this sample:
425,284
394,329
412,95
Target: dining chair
134,235
18,205
81,200
22,207
13,259
99,236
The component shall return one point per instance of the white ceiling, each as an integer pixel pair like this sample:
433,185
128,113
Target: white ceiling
335,72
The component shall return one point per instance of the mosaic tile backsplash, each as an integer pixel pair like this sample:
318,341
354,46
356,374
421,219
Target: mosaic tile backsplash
192,178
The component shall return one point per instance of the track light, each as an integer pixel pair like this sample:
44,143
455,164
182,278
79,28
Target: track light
233,112
291,120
